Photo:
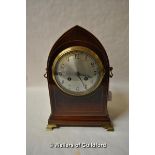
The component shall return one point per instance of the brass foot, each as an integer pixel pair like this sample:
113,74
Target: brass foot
51,126
108,126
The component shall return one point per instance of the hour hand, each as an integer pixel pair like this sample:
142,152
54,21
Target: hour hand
80,74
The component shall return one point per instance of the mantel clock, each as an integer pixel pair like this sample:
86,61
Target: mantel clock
78,74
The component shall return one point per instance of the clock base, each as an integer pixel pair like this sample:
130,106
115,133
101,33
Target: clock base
99,121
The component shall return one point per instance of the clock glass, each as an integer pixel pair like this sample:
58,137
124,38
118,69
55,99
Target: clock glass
77,71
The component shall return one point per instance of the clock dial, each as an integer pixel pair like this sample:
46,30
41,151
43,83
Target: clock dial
77,71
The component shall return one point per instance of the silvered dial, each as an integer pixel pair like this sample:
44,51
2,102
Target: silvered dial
77,71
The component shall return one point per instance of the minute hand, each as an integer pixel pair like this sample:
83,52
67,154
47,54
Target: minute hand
78,75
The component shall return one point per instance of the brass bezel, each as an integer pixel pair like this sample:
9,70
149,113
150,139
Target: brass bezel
81,49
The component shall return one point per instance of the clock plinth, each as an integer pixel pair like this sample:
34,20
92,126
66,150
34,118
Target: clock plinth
102,121
78,74
76,121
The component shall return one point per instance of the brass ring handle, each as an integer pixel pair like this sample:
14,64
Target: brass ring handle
110,72
45,75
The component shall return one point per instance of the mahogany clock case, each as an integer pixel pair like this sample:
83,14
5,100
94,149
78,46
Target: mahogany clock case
87,110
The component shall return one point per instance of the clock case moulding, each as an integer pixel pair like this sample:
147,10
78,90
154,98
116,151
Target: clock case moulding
88,110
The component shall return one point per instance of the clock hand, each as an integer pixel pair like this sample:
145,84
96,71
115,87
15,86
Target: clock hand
78,75
85,75
71,74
